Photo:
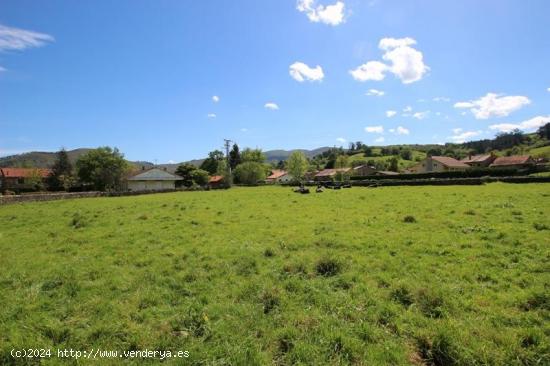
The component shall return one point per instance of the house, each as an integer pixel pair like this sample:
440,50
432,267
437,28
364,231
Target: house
479,161
152,180
329,174
215,181
438,164
279,176
363,170
513,162
22,178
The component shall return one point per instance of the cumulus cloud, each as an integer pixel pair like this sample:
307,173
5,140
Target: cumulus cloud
528,125
211,115
421,115
341,140
20,39
272,106
494,105
215,99
302,72
380,139
404,61
402,130
464,136
374,129
407,109
375,92
372,70
390,114
330,14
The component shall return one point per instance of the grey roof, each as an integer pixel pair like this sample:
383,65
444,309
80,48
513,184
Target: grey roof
155,174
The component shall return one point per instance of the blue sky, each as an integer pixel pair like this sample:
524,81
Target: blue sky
141,75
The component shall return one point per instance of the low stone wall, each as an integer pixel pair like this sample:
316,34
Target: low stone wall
4,200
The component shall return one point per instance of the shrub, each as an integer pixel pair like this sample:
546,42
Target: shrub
409,219
328,267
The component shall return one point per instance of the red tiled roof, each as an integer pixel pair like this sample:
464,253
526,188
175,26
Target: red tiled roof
476,158
24,172
215,179
277,173
330,172
450,162
511,160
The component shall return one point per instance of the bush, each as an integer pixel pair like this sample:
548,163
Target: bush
249,173
328,267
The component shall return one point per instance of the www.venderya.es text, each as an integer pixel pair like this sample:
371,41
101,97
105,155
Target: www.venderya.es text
94,353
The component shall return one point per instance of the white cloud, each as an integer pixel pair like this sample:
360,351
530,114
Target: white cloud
374,129
528,125
211,115
330,14
215,99
441,99
272,106
456,131
464,136
375,92
421,115
341,140
244,129
390,114
494,105
372,70
20,39
402,130
407,109
405,62
302,72
380,139
548,89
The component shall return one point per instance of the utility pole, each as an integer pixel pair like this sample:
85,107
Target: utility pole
227,144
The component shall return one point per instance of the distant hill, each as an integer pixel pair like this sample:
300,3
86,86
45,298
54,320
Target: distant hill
41,159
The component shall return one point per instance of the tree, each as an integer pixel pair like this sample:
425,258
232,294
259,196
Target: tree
199,177
184,171
103,168
249,173
394,164
341,162
62,169
224,172
297,165
280,165
406,154
35,180
210,164
544,131
253,155
367,150
234,156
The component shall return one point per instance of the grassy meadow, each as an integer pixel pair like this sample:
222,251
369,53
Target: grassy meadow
264,276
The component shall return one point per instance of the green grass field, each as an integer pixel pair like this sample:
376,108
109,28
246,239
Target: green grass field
263,276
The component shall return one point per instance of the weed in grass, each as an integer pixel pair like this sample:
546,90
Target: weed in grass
269,253
470,212
328,267
438,350
270,299
78,221
409,219
402,295
539,300
539,226
430,302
